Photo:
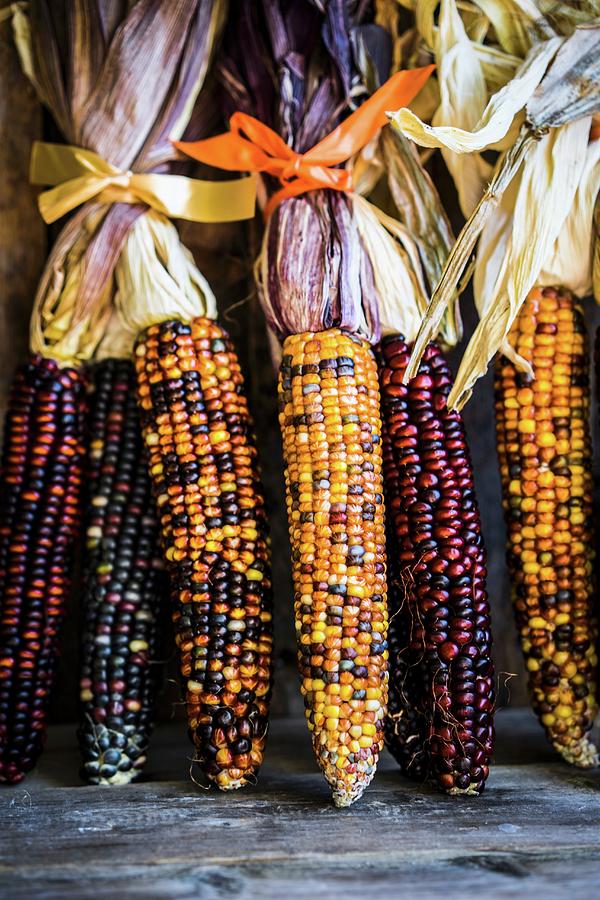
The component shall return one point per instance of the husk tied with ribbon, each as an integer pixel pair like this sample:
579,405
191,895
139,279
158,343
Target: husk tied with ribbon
293,78
529,93
120,82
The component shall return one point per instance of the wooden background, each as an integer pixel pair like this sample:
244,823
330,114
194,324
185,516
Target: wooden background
224,253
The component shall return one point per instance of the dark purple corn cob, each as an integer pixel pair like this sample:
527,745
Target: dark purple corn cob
124,586
40,484
440,719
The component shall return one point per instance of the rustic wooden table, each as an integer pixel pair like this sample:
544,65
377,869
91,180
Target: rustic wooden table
534,833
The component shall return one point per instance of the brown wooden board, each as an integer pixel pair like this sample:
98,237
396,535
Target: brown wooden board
535,832
22,231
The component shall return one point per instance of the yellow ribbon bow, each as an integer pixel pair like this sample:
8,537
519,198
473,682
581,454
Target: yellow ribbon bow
78,175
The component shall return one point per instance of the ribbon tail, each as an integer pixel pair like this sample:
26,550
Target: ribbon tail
228,151
56,202
357,130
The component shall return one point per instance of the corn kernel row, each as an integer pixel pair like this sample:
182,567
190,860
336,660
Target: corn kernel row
331,427
124,586
545,455
204,471
440,721
40,486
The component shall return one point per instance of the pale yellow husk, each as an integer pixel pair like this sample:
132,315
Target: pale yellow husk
535,218
549,179
55,329
157,279
498,116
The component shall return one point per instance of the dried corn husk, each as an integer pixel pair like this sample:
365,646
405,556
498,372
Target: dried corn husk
460,74
498,115
558,84
120,80
543,201
157,279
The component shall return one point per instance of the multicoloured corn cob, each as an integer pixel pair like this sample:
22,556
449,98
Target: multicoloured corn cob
440,720
331,427
124,586
545,454
204,471
40,485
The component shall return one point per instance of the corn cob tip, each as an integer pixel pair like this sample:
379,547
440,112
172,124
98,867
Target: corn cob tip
582,754
347,794
349,783
111,755
232,784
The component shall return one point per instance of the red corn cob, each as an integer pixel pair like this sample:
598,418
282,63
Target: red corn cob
441,675
39,503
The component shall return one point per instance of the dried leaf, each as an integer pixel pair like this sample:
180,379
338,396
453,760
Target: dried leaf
570,261
571,88
463,98
399,284
118,78
157,277
420,210
515,22
543,201
498,115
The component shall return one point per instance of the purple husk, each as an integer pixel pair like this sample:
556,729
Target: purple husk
290,63
115,77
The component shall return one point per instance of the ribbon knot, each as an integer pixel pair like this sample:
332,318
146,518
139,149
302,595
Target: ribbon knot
252,146
80,175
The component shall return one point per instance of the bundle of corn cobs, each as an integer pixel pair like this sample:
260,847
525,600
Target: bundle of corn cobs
134,390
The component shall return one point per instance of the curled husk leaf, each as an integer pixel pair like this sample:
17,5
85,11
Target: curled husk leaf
541,205
558,87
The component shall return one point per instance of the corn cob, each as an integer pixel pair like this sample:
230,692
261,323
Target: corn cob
203,467
544,450
329,417
39,502
440,721
123,586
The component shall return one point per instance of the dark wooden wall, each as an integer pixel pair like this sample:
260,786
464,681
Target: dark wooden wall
224,253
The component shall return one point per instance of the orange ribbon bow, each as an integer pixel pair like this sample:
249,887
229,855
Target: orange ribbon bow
252,146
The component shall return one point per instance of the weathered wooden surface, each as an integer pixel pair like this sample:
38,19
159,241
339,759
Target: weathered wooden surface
535,832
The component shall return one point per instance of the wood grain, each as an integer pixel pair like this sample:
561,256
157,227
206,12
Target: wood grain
535,830
22,231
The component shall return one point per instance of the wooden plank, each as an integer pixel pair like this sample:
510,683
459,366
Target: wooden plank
22,231
536,827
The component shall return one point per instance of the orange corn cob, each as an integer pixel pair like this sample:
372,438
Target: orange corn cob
331,427
203,466
545,454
